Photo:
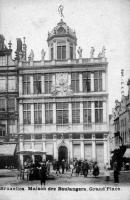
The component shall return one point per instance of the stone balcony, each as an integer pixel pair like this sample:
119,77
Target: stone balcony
47,63
68,128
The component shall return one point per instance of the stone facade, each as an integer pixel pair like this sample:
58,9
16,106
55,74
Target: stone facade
63,102
8,93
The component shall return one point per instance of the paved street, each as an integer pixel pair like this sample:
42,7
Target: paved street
63,179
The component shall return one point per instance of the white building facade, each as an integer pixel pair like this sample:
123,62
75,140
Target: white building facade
63,102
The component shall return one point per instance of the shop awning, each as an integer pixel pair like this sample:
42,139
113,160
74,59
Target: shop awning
127,153
7,149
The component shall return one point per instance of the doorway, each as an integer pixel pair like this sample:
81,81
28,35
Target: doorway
62,153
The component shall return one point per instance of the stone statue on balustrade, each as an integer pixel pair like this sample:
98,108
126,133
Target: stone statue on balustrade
92,52
43,53
31,56
103,51
80,52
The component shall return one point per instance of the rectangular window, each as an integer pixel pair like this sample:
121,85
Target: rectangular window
87,112
61,52
2,83
12,83
37,83
98,112
11,104
48,83
2,104
37,113
71,52
75,82
86,81
76,112
27,113
26,84
97,81
62,113
48,113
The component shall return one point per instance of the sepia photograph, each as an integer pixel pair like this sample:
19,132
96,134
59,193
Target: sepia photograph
64,99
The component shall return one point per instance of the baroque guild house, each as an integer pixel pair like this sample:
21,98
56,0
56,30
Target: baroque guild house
63,102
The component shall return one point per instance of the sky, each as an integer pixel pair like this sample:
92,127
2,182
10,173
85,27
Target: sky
97,23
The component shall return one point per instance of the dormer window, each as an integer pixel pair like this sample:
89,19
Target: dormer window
61,52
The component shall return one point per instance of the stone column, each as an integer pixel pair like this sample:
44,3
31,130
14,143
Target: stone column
71,147
105,149
80,82
67,50
93,147
20,85
93,112
31,84
44,146
55,50
104,112
55,147
82,146
103,81
70,113
92,82
32,114
43,114
69,79
43,85
21,149
33,147
54,113
20,114
81,113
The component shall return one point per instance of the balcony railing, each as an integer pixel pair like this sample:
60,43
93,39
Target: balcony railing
62,62
44,128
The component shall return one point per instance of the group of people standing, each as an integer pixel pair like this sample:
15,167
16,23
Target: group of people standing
77,166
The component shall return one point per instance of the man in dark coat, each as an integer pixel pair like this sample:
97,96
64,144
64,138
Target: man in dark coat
43,173
116,172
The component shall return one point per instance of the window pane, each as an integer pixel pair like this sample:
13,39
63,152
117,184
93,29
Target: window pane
59,52
63,52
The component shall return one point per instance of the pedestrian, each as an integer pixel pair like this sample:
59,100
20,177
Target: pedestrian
85,168
43,173
57,167
95,170
107,172
63,166
116,172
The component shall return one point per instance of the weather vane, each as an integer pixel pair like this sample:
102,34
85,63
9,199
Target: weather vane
60,10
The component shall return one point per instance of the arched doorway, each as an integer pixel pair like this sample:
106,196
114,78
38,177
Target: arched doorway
62,153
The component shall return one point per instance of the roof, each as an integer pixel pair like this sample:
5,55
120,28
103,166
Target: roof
7,149
62,30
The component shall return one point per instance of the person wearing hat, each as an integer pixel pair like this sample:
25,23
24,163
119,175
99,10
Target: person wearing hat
43,173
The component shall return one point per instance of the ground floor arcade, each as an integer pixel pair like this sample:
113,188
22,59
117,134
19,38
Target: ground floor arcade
59,147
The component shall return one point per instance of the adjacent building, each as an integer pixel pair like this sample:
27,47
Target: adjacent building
8,104
122,121
63,102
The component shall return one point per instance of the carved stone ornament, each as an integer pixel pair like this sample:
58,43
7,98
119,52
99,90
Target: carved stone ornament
61,87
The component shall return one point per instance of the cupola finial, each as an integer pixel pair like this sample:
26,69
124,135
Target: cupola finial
60,10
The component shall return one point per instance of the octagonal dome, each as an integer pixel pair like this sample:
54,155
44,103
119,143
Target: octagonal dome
61,30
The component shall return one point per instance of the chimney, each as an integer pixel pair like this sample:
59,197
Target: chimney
24,49
19,48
